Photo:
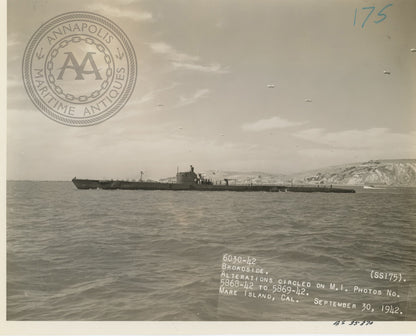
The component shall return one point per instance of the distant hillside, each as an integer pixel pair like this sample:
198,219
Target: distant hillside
239,177
246,177
374,172
381,172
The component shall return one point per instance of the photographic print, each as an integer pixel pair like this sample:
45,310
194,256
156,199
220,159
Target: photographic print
211,161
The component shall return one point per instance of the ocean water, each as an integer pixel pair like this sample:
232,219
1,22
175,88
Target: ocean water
158,255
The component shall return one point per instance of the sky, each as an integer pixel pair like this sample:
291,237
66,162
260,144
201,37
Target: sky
278,86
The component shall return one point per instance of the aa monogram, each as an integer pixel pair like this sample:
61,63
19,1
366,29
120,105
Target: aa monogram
80,68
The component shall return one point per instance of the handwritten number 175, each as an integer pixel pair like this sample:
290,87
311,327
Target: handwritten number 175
372,8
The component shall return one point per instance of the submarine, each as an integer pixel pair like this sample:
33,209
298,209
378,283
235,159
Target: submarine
191,181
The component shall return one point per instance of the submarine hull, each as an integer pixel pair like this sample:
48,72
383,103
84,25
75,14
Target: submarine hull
131,185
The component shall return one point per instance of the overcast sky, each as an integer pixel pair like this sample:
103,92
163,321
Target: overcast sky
202,94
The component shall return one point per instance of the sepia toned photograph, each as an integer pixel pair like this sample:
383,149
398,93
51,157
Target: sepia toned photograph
222,160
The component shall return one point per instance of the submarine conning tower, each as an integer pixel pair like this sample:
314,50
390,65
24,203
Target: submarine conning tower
191,177
187,177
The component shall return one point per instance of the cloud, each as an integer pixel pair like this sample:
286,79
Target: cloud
114,11
181,60
271,123
124,2
183,101
149,96
152,95
171,53
212,68
382,139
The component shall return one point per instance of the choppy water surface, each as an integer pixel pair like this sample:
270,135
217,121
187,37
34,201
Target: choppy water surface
157,255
